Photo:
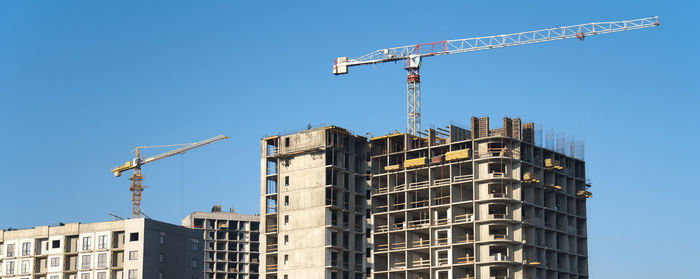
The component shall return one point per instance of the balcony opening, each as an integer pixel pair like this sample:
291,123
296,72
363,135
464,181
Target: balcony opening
498,211
498,272
498,253
498,190
441,217
498,232
442,257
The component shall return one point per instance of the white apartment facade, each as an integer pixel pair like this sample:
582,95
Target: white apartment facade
126,249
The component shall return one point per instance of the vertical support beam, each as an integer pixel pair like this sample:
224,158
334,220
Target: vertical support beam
136,190
413,101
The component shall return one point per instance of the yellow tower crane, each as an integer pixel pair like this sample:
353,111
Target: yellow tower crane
136,163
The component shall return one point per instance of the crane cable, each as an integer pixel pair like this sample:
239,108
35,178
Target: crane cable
182,182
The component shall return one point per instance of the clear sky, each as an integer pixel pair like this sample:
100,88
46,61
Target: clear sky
84,82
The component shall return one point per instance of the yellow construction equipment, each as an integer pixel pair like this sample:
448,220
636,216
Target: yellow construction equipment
457,155
392,167
136,163
584,194
552,164
530,178
414,163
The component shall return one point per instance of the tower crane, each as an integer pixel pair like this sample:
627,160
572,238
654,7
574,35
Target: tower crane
136,163
413,54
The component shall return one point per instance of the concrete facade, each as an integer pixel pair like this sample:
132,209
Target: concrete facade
476,204
313,205
231,243
128,249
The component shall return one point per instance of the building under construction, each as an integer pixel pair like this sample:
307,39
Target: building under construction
313,205
485,203
231,243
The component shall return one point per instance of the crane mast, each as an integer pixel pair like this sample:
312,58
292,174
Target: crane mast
135,164
412,54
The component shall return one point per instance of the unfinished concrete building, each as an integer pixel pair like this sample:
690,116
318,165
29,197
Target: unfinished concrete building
313,202
126,249
231,243
485,203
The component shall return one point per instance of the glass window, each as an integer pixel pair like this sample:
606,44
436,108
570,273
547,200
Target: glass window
133,255
195,244
134,237
85,262
87,243
162,258
24,267
102,242
195,264
102,275
102,260
132,274
26,248
85,276
10,250
162,238
55,261
9,267
53,277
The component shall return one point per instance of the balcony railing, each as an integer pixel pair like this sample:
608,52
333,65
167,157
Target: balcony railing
463,178
420,243
442,241
272,268
498,258
499,236
418,184
398,206
418,204
498,216
441,200
468,217
420,263
272,247
421,223
439,182
465,260
498,152
398,266
398,245
443,221
397,226
467,238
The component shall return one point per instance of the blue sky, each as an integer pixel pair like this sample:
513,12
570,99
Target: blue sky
84,82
